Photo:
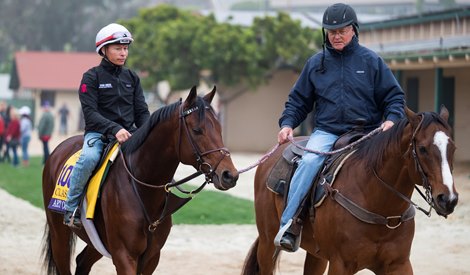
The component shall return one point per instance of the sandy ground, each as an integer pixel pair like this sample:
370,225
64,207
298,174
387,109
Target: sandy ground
441,246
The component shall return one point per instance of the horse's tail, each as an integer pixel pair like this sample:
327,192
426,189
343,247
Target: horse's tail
251,266
48,260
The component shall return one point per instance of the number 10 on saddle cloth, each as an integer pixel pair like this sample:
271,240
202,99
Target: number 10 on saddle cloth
57,202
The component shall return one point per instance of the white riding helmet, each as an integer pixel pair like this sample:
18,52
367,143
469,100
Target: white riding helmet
25,110
110,34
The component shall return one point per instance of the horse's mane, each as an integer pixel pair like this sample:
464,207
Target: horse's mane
139,136
371,152
160,115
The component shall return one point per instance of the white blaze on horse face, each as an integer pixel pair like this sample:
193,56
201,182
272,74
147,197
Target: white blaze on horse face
441,140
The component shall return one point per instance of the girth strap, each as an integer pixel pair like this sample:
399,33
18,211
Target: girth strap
370,217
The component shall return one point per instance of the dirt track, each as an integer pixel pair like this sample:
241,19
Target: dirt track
440,246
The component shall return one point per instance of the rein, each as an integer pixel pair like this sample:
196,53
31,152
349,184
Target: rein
291,139
347,147
373,218
427,196
203,168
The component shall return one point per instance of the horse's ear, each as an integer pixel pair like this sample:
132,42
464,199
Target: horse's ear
192,96
412,116
208,98
444,113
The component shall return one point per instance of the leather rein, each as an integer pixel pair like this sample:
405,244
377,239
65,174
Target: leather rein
425,182
203,168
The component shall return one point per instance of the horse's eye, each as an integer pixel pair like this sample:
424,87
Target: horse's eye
422,149
197,131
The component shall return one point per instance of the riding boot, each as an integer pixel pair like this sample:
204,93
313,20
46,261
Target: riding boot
72,219
287,242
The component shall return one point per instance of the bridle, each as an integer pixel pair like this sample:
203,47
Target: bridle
208,172
419,168
203,166
373,218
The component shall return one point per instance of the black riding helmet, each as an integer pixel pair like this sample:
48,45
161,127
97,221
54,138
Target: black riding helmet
339,16
335,17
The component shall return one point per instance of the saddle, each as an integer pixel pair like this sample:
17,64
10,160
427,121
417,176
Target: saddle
281,174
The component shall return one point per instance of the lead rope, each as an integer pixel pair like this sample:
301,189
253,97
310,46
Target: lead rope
291,139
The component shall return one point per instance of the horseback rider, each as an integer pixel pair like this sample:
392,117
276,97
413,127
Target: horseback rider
113,104
344,82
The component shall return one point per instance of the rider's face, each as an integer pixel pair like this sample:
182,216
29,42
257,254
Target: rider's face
339,38
117,53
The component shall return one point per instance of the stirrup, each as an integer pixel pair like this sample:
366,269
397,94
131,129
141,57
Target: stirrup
73,220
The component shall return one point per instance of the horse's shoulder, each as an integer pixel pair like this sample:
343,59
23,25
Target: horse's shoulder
70,145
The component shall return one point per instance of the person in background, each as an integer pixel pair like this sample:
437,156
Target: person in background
3,126
13,135
113,104
5,156
26,126
346,83
2,132
64,116
45,128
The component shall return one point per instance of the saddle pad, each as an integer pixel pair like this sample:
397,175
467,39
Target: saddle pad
57,202
98,179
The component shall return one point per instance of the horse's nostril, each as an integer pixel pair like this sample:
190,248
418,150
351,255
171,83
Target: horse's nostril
446,202
229,178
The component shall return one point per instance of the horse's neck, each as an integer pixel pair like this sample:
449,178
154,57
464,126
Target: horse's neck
157,156
397,172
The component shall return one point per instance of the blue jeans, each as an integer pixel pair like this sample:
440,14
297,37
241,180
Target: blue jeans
14,148
24,147
86,163
308,168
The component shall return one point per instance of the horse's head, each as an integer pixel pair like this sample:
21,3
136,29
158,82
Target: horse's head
201,142
433,152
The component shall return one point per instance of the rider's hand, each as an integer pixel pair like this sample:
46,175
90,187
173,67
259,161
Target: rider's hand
387,125
283,135
122,135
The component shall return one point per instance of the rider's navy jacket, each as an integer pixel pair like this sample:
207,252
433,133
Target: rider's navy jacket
357,84
112,98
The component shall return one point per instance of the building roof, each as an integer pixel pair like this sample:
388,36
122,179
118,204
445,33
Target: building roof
307,19
51,70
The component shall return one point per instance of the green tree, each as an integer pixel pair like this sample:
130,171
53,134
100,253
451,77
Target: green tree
176,45
56,25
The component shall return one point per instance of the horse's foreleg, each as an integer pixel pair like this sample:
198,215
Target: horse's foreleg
339,267
86,259
397,268
314,265
152,264
124,263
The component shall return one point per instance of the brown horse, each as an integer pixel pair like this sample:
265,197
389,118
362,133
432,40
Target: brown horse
135,190
379,177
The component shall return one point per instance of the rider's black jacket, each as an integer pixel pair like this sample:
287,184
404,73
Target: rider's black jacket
112,98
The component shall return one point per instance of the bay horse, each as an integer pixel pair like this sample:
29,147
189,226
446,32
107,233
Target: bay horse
134,192
379,177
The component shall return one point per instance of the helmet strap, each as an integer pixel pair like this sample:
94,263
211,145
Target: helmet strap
322,68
